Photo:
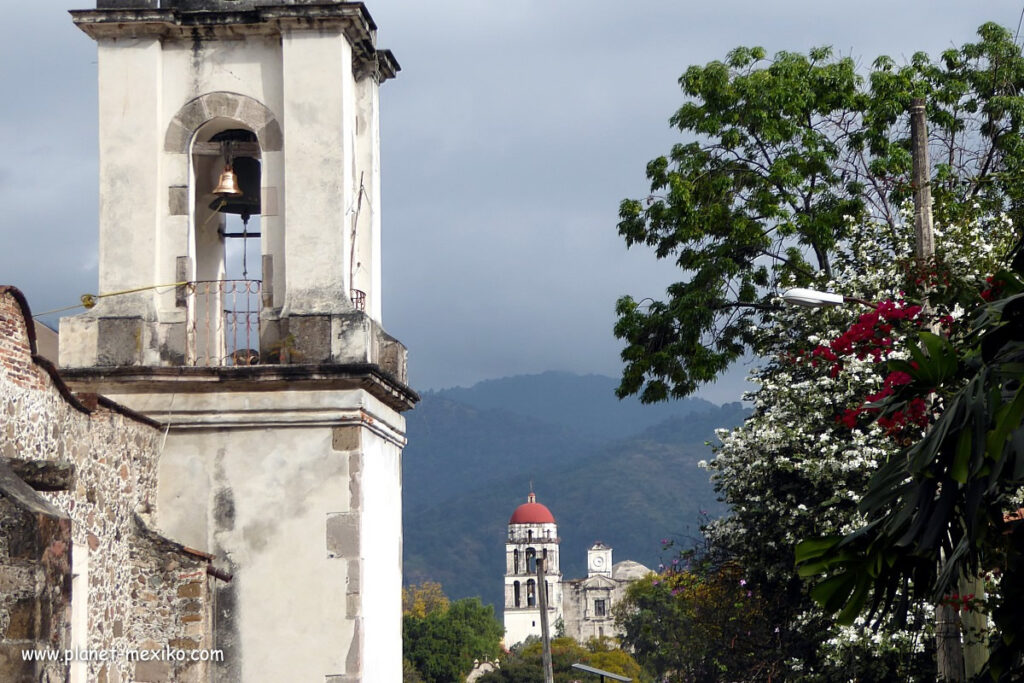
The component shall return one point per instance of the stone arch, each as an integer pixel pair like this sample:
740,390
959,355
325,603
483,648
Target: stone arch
251,112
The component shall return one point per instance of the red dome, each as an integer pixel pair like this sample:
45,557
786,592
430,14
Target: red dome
532,512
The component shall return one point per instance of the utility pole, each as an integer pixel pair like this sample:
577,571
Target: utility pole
924,243
951,651
545,635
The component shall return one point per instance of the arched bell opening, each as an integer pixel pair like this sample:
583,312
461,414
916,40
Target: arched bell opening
224,313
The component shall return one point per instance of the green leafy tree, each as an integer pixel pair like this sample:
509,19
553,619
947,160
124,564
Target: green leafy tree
441,645
409,672
700,625
784,156
795,469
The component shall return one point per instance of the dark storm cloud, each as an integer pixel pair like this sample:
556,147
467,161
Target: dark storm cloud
510,137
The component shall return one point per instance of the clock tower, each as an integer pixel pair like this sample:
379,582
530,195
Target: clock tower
599,560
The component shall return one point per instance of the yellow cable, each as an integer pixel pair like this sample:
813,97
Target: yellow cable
89,300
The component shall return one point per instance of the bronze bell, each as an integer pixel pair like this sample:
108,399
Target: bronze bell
246,202
227,185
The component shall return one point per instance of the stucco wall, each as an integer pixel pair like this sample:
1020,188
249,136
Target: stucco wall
381,531
300,491
308,94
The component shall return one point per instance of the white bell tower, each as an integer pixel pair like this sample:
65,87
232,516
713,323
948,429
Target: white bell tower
532,534
239,305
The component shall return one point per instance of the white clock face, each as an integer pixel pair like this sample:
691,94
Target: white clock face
598,562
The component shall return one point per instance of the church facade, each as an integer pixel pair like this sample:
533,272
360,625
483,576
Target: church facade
582,606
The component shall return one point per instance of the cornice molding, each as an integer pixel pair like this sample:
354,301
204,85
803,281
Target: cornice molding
350,18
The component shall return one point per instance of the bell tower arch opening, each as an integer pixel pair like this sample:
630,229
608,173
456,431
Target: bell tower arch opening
224,298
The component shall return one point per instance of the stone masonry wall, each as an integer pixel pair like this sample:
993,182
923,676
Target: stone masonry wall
144,592
35,570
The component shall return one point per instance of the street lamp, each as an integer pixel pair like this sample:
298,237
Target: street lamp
601,672
812,298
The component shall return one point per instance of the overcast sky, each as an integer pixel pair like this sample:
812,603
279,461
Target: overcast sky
509,138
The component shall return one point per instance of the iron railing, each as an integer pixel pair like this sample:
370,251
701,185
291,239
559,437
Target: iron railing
223,322
359,299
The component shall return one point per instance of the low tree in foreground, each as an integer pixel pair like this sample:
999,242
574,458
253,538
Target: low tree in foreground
523,663
700,624
440,641
423,599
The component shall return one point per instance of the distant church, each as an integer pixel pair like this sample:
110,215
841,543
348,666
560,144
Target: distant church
583,605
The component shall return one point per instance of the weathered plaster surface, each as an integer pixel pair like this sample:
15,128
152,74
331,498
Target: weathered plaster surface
301,487
305,80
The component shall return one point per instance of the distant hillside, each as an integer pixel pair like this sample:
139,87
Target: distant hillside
453,446
584,403
468,466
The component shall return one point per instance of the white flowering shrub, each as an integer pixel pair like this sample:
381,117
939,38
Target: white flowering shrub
796,469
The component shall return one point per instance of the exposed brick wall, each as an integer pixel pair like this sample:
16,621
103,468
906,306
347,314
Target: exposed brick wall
144,592
15,346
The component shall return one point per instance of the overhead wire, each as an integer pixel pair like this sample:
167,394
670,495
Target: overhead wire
89,300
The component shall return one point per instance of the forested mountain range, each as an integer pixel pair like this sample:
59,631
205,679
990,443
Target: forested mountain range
615,471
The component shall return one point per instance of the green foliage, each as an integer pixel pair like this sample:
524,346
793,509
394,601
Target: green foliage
784,156
440,647
698,625
409,672
523,664
798,467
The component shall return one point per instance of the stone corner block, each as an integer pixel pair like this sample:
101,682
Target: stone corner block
343,535
177,200
346,438
119,341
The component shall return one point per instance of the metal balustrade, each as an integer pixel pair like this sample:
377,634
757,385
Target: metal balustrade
223,322
359,299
